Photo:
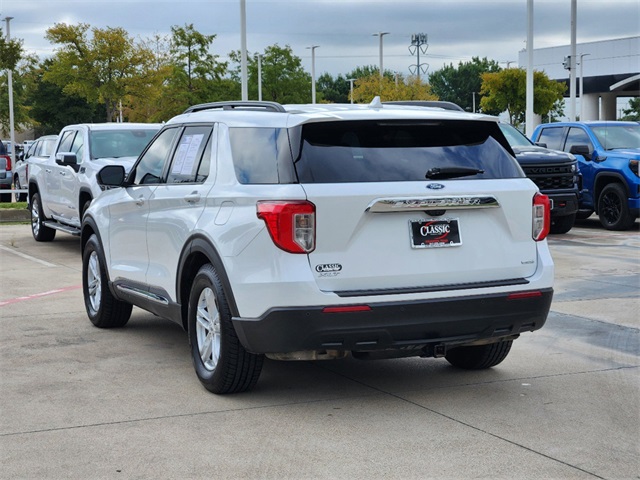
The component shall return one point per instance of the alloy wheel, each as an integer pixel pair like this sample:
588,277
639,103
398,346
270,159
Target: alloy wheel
94,282
208,329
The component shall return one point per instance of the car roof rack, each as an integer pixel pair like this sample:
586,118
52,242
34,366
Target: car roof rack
238,105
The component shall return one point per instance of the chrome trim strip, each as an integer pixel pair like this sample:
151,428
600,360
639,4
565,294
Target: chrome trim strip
143,294
386,205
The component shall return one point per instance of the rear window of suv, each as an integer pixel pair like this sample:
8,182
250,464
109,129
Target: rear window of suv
393,151
369,151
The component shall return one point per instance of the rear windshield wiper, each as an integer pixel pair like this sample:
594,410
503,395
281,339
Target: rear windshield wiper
452,172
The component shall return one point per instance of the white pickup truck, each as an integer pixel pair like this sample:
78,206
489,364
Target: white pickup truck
62,187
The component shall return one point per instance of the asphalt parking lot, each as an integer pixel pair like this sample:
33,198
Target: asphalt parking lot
77,402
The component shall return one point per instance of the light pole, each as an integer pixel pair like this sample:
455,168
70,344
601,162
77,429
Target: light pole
582,87
259,77
313,72
10,81
351,80
380,34
244,87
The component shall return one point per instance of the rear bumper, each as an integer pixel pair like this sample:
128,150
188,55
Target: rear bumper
450,321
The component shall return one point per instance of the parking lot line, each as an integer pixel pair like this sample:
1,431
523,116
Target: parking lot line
24,255
38,295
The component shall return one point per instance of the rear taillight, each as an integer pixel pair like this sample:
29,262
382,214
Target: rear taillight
541,217
8,167
291,224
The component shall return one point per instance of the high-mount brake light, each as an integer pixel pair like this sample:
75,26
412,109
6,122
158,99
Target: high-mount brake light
291,224
541,217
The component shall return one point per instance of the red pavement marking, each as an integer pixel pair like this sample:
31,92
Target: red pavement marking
38,295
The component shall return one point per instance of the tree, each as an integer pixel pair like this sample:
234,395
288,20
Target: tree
366,88
633,112
195,70
457,84
22,82
283,78
332,90
506,91
52,109
98,69
10,52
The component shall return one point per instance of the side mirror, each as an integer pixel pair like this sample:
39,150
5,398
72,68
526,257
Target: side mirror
111,176
541,144
581,150
68,159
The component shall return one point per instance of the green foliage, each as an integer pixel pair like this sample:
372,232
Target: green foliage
457,84
10,52
388,89
332,90
22,82
99,69
283,78
506,91
633,112
52,109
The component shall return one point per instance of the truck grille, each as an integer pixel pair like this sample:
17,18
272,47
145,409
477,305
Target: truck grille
551,177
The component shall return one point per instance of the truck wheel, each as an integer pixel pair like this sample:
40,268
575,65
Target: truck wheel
20,197
5,197
221,362
613,209
40,232
562,224
479,357
103,309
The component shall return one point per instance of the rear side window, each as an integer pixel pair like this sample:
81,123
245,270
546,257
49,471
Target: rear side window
552,136
261,155
391,151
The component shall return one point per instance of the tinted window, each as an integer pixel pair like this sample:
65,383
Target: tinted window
119,143
188,155
150,166
258,152
614,136
577,136
553,137
374,151
67,140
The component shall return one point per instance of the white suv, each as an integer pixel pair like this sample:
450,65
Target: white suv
317,231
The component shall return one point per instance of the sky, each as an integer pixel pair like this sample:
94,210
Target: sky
456,30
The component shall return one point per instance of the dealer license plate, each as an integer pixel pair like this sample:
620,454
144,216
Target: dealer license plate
432,233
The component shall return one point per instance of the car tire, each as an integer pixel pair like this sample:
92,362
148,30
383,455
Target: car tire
479,357
221,362
40,232
20,197
613,209
103,309
562,224
5,197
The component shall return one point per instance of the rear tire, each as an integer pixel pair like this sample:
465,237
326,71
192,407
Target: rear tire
613,209
20,197
479,357
221,362
562,224
103,309
5,197
40,232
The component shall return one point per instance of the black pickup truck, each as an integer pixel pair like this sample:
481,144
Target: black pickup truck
554,172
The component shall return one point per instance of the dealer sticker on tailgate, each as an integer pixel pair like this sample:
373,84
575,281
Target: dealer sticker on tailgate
433,233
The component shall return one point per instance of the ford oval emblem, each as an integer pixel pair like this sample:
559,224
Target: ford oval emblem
435,186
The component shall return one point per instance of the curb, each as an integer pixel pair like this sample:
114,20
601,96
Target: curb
8,215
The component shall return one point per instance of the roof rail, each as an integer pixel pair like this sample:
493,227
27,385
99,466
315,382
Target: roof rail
239,105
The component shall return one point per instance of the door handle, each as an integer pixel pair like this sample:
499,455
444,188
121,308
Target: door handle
193,197
48,170
140,201
62,173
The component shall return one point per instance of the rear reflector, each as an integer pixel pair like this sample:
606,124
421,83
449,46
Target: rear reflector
522,295
347,309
